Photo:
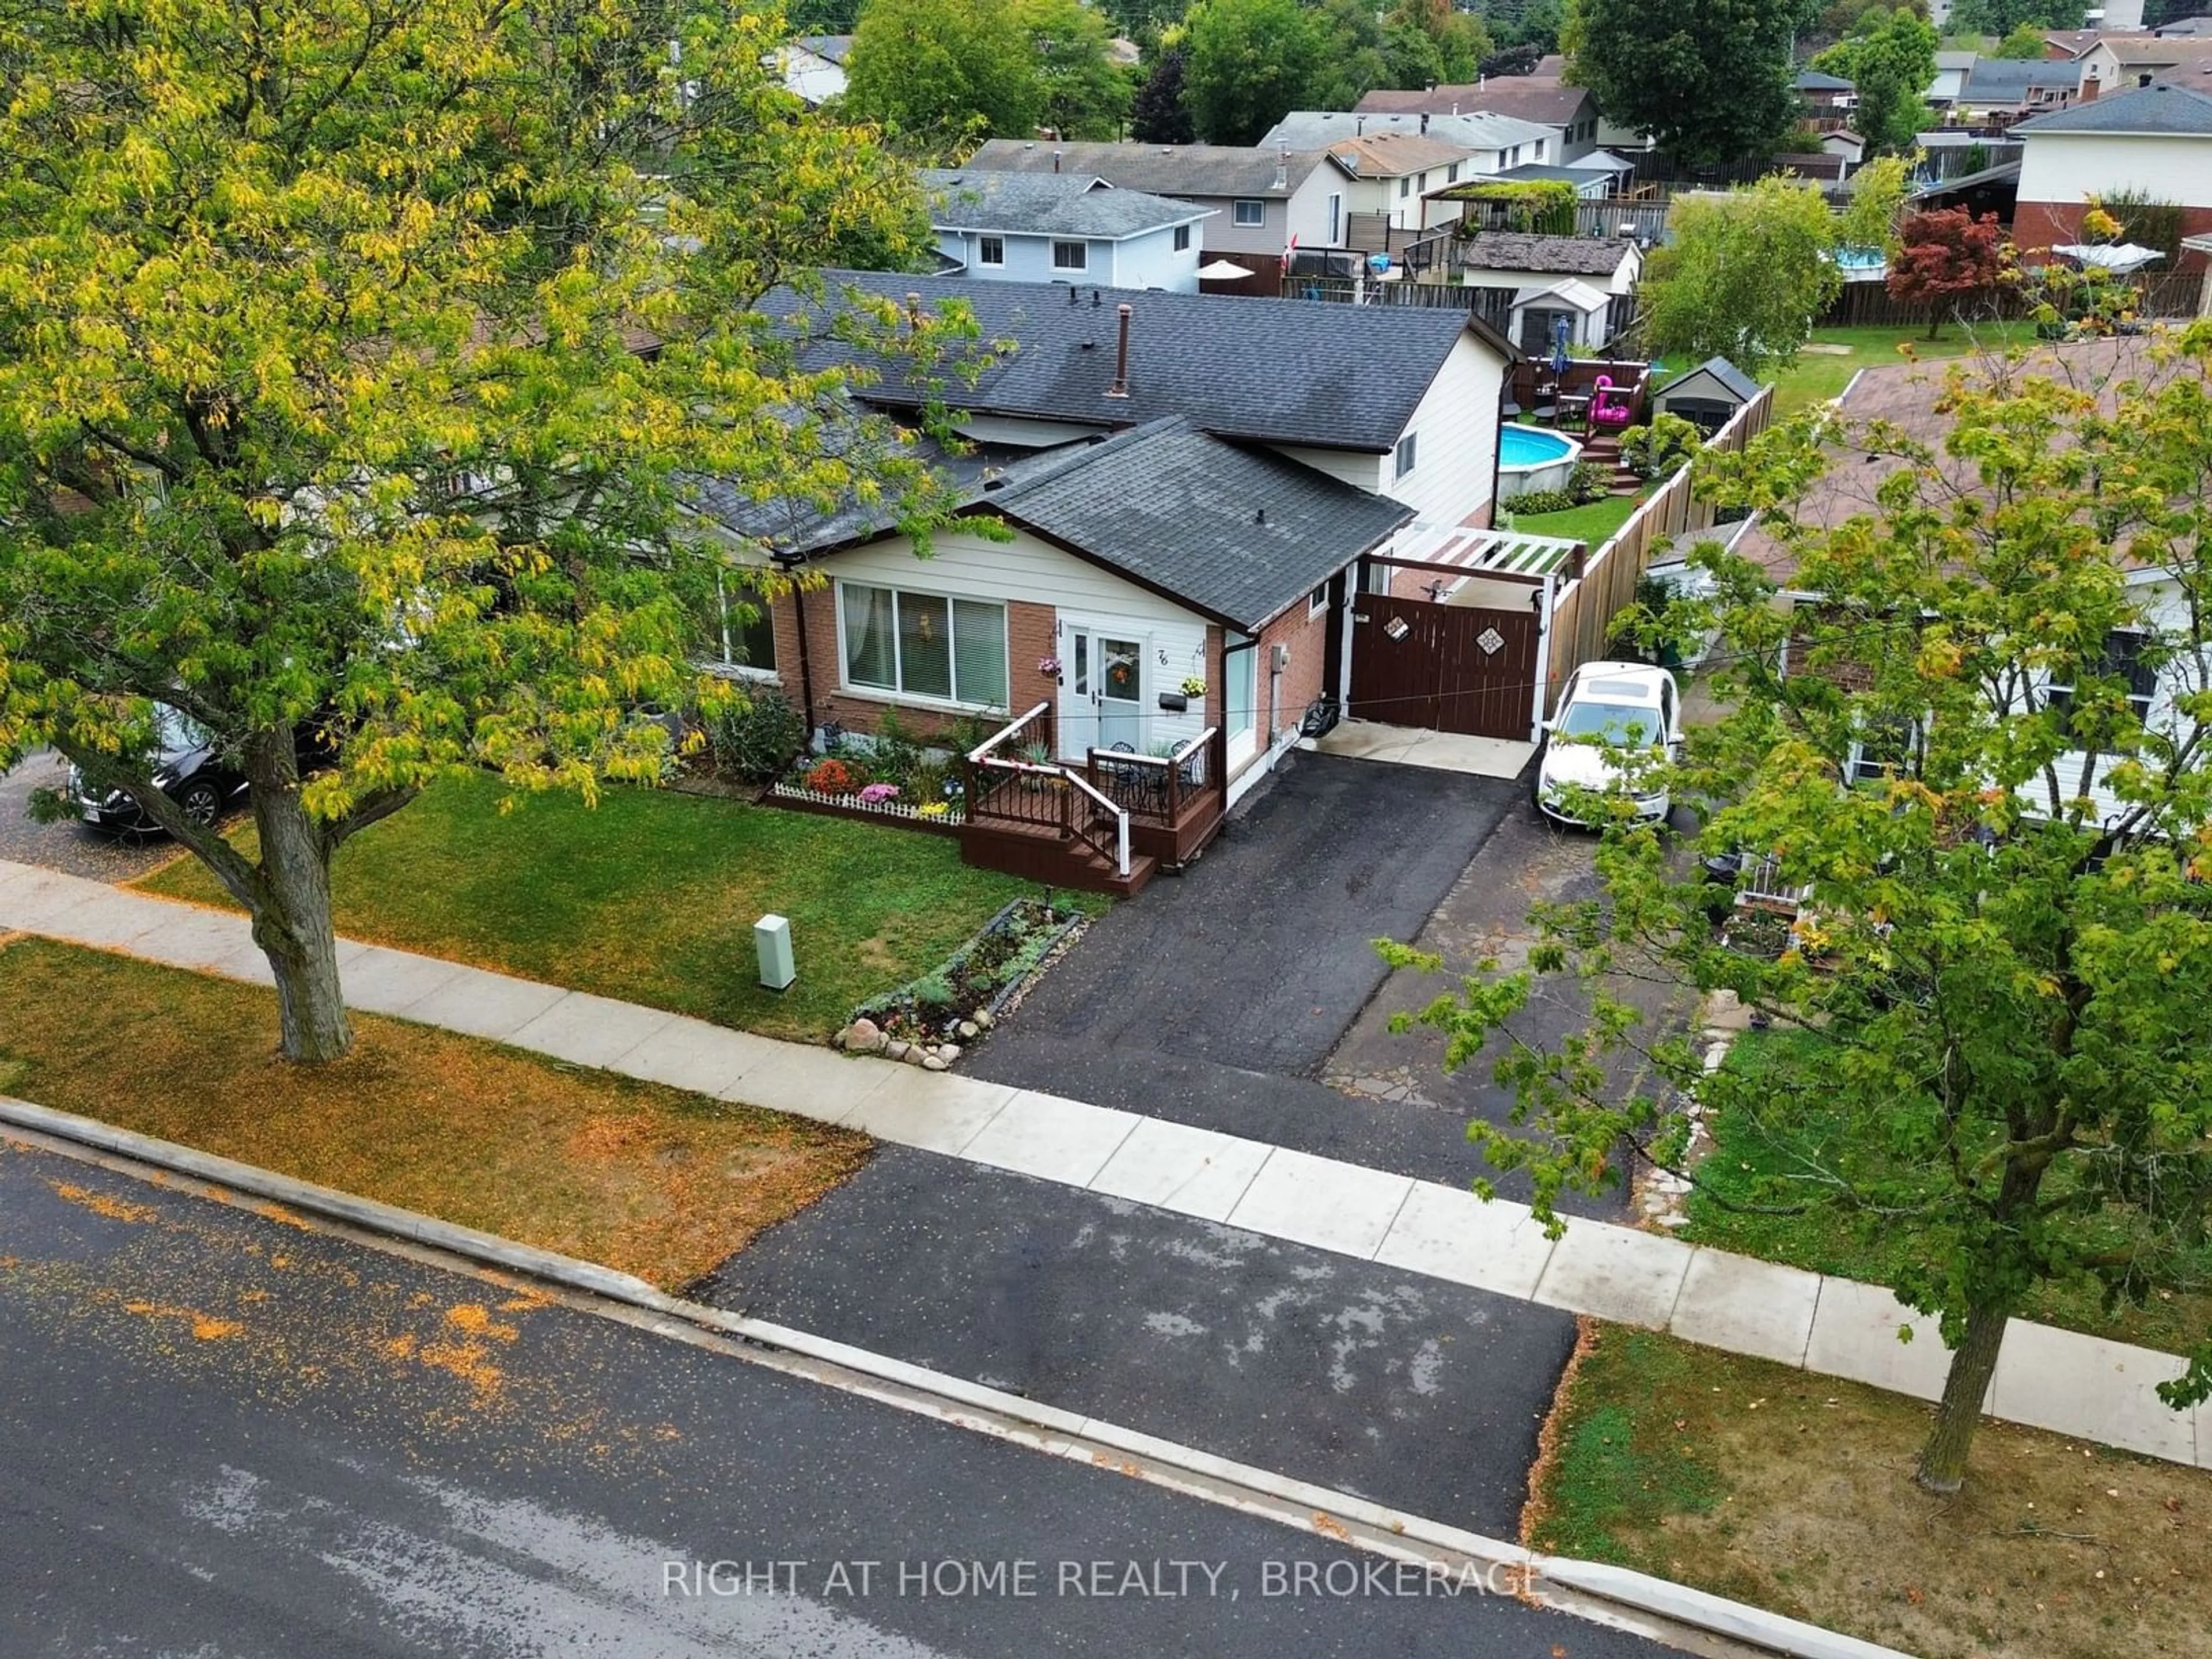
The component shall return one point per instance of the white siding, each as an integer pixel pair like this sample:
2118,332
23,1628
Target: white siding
1355,467
1456,424
963,565
2067,167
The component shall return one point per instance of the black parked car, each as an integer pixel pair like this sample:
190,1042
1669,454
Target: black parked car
186,765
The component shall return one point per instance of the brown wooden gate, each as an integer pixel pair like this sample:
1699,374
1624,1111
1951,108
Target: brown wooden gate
1444,667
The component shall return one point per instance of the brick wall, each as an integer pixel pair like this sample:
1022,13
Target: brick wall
2038,227
1301,682
1029,642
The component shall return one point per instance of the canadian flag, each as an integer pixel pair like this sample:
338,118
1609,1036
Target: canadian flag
1291,249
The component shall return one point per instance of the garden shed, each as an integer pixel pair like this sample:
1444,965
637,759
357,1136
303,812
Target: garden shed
1707,396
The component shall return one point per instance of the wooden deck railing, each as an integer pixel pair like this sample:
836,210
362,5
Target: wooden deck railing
1042,795
1153,789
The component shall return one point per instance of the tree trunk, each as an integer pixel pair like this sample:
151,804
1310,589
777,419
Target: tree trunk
1943,1459
1935,325
292,924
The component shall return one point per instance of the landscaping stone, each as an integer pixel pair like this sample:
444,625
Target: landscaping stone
948,1052
915,1054
983,1020
933,1063
894,1049
969,1030
864,1036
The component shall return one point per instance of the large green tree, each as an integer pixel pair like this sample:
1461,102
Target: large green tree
1458,38
1083,94
1999,1057
353,355
1742,275
1158,115
1999,18
1709,80
943,72
1889,57
1249,64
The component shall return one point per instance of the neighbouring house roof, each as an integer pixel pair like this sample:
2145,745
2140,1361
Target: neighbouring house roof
1815,81
2159,110
2184,28
1524,97
1183,170
1276,371
1310,128
1048,205
1394,155
1906,396
831,48
2152,52
1739,384
1507,250
2005,80
1580,176
1956,60
1234,533
1996,174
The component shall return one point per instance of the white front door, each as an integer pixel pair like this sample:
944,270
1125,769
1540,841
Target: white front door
1102,695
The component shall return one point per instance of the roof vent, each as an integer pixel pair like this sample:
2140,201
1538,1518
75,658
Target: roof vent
1259,515
1121,386
1094,299
992,481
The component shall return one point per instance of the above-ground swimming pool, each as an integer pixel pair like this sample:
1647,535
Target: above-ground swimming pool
1533,458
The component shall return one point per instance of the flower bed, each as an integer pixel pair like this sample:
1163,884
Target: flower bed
935,815
889,776
927,1022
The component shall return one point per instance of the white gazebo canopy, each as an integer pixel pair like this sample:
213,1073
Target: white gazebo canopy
1221,270
2120,257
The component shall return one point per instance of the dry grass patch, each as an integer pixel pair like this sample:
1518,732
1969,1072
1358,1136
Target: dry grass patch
1794,1491
649,1180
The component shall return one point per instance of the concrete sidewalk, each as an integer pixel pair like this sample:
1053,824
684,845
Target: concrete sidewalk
2050,1379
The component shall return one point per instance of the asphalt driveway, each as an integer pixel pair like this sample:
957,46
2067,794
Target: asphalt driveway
76,849
1216,1000
1409,1390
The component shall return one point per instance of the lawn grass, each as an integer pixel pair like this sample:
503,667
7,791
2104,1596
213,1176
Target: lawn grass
1794,1491
651,896
1828,1240
644,1179
1594,522
1817,376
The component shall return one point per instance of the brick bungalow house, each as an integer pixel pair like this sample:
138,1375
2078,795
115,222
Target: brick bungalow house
1191,483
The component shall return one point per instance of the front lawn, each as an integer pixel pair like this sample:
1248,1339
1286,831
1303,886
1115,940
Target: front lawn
1817,376
1831,1240
1594,522
1794,1491
647,1179
651,896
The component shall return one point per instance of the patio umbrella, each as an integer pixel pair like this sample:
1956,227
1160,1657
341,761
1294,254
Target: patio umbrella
1559,327
1221,270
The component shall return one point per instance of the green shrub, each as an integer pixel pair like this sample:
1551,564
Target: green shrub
895,751
758,737
1660,450
1590,483
1542,500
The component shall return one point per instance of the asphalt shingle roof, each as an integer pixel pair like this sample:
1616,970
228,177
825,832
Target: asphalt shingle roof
1278,371
2009,80
1547,102
1391,154
1508,250
832,48
1235,533
1722,370
2179,111
1816,80
1315,129
1048,205
1183,170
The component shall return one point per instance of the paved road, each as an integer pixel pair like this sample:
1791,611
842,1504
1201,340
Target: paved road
1417,1393
230,1437
75,847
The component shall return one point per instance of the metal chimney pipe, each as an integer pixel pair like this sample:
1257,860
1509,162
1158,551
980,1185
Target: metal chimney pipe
1121,386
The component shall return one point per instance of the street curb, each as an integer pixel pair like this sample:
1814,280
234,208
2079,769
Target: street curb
1610,1594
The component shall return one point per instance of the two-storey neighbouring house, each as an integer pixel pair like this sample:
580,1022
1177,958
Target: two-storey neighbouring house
2154,141
1261,199
1062,228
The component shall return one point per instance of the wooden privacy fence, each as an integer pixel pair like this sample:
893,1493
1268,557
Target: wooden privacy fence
2170,294
1583,615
